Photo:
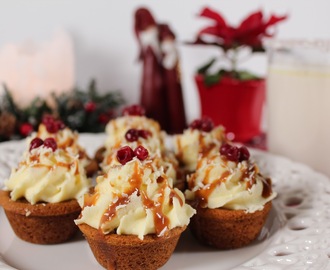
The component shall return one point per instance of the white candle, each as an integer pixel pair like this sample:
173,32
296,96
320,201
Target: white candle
34,69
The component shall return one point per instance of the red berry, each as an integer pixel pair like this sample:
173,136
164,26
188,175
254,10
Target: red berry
50,143
244,153
125,154
231,152
132,135
135,110
141,152
51,124
47,118
25,129
196,124
206,124
144,133
103,118
35,143
90,106
224,148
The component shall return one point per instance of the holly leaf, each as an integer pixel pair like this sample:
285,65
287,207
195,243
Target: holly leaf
245,75
211,79
203,70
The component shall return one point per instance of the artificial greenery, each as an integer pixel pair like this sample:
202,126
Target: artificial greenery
84,110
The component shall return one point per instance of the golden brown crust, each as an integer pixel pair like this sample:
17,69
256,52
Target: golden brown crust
42,223
40,209
228,229
123,252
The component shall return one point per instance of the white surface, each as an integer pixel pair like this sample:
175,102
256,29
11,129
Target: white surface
295,237
106,48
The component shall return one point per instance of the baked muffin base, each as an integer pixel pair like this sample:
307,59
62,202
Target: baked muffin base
42,223
228,229
126,252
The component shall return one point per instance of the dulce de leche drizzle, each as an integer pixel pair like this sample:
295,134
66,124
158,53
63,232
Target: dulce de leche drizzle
36,163
267,187
202,195
137,186
250,173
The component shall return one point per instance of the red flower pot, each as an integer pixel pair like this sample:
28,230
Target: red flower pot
237,105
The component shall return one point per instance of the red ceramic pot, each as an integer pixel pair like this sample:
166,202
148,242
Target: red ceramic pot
237,105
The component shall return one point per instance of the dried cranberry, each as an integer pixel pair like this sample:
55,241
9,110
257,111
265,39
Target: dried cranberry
51,124
204,124
46,119
244,153
135,110
196,124
125,154
60,124
35,143
132,135
50,143
144,133
141,152
231,152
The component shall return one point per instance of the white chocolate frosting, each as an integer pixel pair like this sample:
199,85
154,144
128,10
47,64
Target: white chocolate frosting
65,139
47,176
192,143
136,199
219,183
117,128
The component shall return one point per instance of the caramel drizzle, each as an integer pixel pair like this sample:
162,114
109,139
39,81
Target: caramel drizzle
251,174
266,183
202,195
36,158
91,199
161,221
180,150
267,187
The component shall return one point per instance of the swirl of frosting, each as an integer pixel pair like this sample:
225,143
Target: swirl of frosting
117,128
219,182
136,198
50,176
166,161
193,142
65,139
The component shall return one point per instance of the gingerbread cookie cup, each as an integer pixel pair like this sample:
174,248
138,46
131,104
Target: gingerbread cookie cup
228,229
126,252
42,223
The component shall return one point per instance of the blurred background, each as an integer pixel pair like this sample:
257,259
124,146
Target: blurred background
97,41
105,47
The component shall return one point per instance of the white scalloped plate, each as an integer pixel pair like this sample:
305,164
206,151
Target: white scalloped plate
296,235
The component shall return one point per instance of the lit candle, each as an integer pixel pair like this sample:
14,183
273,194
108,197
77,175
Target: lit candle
34,69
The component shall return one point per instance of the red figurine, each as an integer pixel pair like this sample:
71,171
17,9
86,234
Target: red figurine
161,93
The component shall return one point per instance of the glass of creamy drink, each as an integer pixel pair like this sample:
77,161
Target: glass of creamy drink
298,102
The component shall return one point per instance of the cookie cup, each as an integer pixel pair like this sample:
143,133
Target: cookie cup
126,252
41,223
228,229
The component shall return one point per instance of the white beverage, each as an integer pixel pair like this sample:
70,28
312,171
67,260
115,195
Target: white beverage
298,100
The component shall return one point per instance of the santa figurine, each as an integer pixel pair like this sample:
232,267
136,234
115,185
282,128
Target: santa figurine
153,95
172,80
161,92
